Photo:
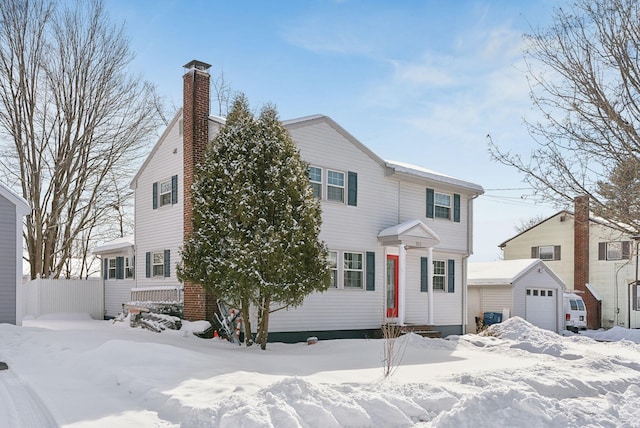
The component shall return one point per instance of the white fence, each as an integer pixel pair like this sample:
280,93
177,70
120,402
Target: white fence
50,296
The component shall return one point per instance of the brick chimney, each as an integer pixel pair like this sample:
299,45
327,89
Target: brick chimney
581,260
198,303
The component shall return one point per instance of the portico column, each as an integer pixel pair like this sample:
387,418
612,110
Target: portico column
430,287
402,280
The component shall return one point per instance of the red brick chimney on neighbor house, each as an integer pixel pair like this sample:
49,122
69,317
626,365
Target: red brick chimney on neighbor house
581,260
198,303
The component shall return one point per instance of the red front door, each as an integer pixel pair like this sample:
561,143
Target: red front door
392,286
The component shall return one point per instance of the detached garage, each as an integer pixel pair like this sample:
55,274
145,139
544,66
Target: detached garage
12,209
526,288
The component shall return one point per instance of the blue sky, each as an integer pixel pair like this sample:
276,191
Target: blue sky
416,81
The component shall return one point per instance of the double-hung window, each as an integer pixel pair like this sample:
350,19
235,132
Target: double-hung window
112,268
353,270
335,186
165,193
333,267
315,177
129,268
442,205
439,275
546,252
158,264
616,250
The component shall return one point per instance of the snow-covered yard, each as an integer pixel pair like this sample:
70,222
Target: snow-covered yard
80,372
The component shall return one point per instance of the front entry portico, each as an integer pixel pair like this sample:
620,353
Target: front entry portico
406,236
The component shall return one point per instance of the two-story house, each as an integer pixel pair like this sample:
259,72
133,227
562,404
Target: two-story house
399,235
591,256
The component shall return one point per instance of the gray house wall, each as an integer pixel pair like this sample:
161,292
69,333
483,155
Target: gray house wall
7,261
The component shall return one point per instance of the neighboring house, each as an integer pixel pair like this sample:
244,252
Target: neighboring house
526,288
12,209
589,255
118,273
399,235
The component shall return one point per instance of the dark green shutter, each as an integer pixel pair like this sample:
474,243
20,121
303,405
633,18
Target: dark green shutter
451,273
119,267
105,268
167,263
456,208
155,195
556,252
430,203
174,189
371,271
352,189
424,274
148,265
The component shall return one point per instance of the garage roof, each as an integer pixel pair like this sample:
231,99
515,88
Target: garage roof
502,272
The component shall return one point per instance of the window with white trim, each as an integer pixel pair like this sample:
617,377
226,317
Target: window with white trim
442,205
129,268
112,268
335,186
439,275
157,263
546,252
614,250
333,267
353,270
315,177
165,193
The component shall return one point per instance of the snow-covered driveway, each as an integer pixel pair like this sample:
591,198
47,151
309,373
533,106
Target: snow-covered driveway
20,406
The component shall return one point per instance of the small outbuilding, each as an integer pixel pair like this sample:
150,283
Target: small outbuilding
12,209
526,288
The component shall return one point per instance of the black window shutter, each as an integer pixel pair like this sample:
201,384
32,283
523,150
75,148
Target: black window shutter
456,208
430,203
556,252
148,264
602,251
167,263
174,189
155,195
424,274
626,249
534,252
352,189
105,268
371,271
451,274
119,267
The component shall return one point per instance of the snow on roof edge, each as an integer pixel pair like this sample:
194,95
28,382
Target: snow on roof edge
419,171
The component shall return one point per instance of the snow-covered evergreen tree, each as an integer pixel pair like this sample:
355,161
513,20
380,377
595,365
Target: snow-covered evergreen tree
256,221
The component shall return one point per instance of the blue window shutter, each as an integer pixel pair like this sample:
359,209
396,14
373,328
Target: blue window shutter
105,268
174,189
148,265
119,267
371,271
352,189
451,274
167,263
430,203
155,195
424,274
456,208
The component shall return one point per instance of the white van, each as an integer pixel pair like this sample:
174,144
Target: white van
575,312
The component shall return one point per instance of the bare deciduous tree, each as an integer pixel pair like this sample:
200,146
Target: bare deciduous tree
585,81
73,121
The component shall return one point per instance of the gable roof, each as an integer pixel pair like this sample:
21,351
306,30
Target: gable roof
124,242
412,232
420,172
504,272
22,206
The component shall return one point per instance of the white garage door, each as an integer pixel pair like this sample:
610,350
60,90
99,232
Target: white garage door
540,308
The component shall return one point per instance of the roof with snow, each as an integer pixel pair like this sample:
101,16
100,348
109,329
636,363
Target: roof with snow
412,232
503,272
418,171
125,242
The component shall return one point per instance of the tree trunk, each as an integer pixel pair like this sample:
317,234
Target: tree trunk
263,322
248,340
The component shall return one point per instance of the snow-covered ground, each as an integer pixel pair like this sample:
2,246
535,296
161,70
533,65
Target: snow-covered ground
76,372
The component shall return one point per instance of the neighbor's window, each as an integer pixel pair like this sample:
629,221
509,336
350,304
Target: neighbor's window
439,267
442,205
333,266
129,269
614,250
315,177
546,253
335,186
112,268
158,264
353,270
165,193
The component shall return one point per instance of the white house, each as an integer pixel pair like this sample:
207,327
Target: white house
526,288
118,273
399,235
12,209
